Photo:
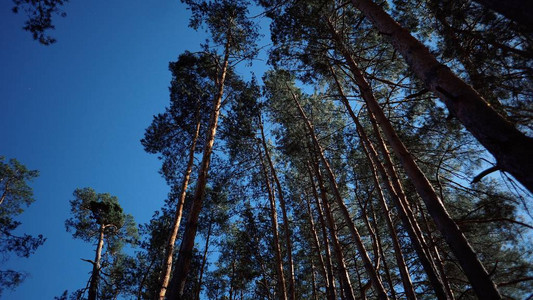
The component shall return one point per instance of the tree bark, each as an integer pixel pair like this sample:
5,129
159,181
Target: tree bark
376,282
473,268
511,148
169,250
95,275
181,270
331,279
274,220
325,274
346,285
291,291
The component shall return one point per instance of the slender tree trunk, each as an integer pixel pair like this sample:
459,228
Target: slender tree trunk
517,10
291,291
511,148
346,285
314,293
376,282
204,262
375,165
473,268
331,279
316,241
274,219
95,275
181,270
382,253
169,250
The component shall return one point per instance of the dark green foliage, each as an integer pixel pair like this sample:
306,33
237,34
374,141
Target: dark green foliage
92,215
15,196
40,14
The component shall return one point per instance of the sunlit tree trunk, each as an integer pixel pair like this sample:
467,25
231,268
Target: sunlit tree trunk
169,250
95,275
511,148
181,270
376,282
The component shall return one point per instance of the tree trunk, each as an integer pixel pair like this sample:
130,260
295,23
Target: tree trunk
330,289
204,261
291,291
375,164
346,285
274,219
169,250
181,270
95,275
474,270
511,148
517,10
323,270
376,282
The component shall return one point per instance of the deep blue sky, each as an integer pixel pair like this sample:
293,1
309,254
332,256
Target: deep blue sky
76,111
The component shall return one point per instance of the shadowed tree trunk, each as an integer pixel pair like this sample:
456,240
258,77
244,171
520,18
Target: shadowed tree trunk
473,268
346,285
291,291
331,278
323,270
204,262
511,148
376,282
274,220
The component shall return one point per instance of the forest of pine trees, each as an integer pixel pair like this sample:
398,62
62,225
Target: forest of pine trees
386,154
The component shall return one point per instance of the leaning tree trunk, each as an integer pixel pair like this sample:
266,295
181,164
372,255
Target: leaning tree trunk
183,264
95,275
169,250
376,282
511,148
473,268
288,244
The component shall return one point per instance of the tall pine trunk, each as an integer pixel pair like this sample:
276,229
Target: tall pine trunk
169,250
331,278
511,148
95,275
182,268
287,232
275,234
346,285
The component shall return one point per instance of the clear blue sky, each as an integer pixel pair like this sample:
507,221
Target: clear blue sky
76,111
